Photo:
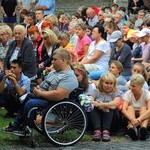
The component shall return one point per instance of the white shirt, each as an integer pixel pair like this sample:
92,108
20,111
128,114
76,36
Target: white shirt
137,104
104,47
14,54
39,24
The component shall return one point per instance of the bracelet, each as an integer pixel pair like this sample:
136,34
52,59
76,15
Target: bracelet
17,85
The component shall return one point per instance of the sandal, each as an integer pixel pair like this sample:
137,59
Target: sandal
97,135
106,136
9,129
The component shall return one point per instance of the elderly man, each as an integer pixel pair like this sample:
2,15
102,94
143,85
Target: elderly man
13,85
21,48
100,18
117,19
92,17
58,84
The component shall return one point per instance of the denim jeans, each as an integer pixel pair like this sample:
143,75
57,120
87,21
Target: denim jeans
96,75
25,108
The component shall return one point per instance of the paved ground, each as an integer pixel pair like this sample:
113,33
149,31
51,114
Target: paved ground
115,144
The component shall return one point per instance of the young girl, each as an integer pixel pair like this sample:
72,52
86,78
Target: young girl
89,31
139,68
105,99
136,107
84,82
83,41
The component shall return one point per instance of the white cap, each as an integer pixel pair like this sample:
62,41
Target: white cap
115,36
144,32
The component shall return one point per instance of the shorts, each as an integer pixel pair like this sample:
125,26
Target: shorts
9,20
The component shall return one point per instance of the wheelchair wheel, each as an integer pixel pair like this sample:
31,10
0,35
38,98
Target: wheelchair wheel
64,123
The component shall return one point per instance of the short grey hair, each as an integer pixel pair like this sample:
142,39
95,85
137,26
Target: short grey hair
21,27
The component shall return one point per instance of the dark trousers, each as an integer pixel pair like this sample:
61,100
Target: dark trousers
10,103
101,120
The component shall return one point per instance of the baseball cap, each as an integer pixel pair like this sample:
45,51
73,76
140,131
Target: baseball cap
144,32
115,36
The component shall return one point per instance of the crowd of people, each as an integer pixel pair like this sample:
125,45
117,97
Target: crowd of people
104,50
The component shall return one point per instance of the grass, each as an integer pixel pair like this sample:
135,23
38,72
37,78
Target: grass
11,140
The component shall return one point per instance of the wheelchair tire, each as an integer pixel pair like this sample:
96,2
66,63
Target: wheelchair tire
64,123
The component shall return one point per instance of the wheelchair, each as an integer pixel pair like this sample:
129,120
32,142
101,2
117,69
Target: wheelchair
62,124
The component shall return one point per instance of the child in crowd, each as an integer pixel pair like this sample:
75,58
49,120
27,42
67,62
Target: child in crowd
89,31
83,79
105,99
136,108
65,21
139,68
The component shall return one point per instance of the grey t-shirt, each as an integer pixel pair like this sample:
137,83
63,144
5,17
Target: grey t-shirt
64,79
105,97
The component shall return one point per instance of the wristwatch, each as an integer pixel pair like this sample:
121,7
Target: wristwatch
17,85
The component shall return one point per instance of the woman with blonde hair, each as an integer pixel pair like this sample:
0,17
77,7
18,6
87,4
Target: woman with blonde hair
105,100
127,30
51,44
136,108
5,40
6,37
53,20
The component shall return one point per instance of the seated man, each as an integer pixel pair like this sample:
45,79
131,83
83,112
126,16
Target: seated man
13,85
58,84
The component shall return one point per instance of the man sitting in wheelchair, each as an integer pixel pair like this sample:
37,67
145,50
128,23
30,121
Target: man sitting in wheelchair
57,85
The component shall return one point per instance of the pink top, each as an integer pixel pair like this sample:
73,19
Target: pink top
81,43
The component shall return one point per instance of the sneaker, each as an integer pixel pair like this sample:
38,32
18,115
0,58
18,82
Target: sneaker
22,132
132,132
10,129
97,135
143,133
106,136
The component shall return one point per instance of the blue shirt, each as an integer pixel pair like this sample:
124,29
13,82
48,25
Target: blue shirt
24,82
50,4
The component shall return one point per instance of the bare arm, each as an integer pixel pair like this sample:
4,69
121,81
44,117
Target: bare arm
55,95
146,115
85,48
124,110
3,11
41,7
2,84
110,105
97,55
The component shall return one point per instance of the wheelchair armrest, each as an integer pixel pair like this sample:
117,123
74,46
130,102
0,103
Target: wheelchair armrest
75,93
